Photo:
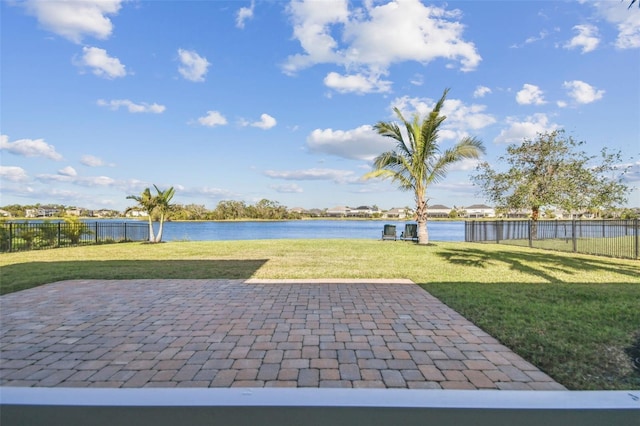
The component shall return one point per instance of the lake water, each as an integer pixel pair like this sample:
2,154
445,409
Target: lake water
299,229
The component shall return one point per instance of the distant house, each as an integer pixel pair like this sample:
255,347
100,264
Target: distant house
339,211
315,212
480,210
298,210
400,213
518,213
44,211
137,213
363,211
438,210
75,211
104,213
4,213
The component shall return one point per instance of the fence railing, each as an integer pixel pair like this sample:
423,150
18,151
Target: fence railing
319,407
22,236
613,238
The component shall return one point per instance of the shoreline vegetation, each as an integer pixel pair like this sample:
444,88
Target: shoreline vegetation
576,317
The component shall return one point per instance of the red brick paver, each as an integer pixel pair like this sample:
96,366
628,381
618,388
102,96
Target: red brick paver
229,333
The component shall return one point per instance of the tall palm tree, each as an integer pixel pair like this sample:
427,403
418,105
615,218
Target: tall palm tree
159,204
417,160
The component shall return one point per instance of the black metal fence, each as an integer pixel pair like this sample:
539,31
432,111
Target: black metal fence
613,238
22,236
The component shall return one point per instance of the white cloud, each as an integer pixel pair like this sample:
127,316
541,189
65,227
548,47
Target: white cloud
338,176
356,83
373,37
465,117
98,181
465,165
115,104
68,171
29,148
581,92
244,13
194,67
481,91
362,143
417,80
91,161
312,21
88,181
587,38
212,119
290,188
75,19
627,22
462,120
541,36
632,174
530,94
13,174
101,63
527,129
266,122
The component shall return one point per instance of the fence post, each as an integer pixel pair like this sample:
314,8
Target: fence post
96,232
11,237
125,231
59,234
635,231
574,238
530,236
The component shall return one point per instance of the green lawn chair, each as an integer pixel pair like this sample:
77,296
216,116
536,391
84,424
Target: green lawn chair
389,232
410,232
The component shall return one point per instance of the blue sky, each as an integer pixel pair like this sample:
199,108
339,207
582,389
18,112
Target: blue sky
245,100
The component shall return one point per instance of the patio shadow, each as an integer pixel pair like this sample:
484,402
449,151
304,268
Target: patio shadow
24,274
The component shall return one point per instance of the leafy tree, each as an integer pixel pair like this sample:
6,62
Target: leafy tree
27,233
228,209
552,171
159,204
49,234
74,229
267,209
417,161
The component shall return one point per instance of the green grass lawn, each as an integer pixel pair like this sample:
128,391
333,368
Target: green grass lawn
576,317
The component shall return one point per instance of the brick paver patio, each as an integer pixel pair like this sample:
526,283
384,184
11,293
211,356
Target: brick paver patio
228,333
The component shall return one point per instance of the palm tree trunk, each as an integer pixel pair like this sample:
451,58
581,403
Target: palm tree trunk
152,238
421,218
423,232
159,236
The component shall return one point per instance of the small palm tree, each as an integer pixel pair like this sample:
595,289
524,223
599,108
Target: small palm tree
146,202
163,206
417,161
159,204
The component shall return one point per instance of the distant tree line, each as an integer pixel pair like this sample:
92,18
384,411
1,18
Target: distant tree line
230,210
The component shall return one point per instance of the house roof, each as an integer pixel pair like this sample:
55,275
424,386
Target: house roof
479,206
438,207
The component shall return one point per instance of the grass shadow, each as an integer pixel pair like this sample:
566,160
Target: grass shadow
20,276
533,262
